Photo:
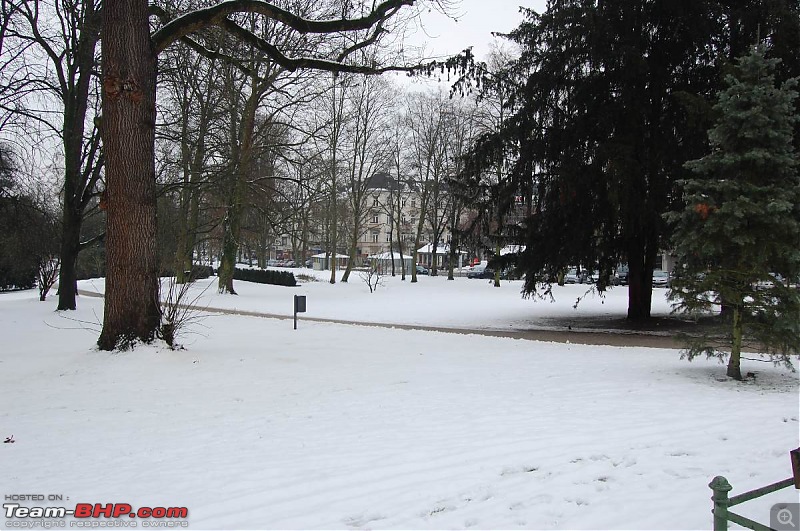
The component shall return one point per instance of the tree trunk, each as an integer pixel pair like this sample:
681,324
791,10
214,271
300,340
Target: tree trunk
497,250
71,220
453,255
434,265
227,262
353,248
640,285
232,225
183,247
132,310
400,239
78,185
734,370
190,202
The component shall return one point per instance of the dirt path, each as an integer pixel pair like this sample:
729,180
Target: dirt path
618,337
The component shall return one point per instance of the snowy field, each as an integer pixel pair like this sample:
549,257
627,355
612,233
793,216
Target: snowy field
258,426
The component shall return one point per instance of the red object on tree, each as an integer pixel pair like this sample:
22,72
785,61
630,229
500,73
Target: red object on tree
702,209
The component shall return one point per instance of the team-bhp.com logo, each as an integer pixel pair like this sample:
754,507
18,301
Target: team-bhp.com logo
88,513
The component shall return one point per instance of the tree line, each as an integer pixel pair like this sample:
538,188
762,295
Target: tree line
242,120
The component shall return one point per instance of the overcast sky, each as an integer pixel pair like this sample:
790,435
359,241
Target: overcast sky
446,37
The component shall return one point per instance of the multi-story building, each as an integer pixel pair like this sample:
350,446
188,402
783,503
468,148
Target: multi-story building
387,202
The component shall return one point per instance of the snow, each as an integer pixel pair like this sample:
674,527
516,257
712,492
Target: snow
334,426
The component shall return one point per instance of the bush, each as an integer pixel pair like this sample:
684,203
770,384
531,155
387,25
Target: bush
17,276
199,272
269,276
302,277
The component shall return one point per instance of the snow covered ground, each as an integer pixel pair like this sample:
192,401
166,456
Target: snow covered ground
256,425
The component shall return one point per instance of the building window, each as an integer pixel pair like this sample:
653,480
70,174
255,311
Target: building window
375,218
284,240
413,202
388,237
375,236
375,201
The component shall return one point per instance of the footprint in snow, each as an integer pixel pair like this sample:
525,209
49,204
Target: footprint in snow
362,520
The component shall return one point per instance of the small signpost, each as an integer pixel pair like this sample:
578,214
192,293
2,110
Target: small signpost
299,307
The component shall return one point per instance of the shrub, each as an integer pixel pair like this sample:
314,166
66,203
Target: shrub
268,276
199,272
17,276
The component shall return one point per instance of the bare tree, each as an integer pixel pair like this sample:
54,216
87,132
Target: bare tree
496,106
47,58
462,130
425,117
367,137
129,55
399,189
190,112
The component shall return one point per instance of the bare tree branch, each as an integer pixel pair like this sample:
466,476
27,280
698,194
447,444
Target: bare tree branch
213,15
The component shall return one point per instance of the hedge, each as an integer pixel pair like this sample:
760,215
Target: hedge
268,276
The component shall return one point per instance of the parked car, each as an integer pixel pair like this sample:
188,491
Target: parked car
421,270
481,271
591,277
660,279
621,275
572,276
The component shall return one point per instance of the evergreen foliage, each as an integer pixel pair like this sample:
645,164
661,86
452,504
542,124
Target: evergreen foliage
738,237
199,272
610,100
602,94
28,231
265,276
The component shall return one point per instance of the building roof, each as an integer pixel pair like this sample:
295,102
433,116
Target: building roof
442,248
512,249
390,256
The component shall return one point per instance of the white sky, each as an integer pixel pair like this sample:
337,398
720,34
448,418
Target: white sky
443,36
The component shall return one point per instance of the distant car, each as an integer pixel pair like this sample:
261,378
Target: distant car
421,270
593,277
621,275
572,276
660,279
481,271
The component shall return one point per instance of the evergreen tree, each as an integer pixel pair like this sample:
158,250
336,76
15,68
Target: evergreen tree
609,100
603,95
738,237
